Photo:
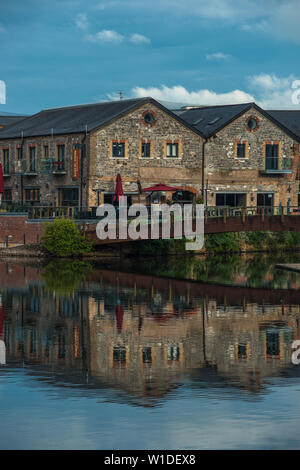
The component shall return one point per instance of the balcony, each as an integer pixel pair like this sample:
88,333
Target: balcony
276,166
59,168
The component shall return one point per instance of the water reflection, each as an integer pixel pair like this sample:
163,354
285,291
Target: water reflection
146,335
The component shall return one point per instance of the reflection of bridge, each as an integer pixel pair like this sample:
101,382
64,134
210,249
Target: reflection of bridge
222,220
225,295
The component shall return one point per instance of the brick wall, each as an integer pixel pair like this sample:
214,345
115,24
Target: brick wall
17,226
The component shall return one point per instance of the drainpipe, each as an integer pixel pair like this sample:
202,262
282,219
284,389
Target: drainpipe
83,155
203,167
21,182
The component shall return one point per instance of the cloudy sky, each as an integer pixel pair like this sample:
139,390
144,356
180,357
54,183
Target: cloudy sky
64,52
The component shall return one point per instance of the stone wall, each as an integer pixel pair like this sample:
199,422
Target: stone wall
158,169
224,172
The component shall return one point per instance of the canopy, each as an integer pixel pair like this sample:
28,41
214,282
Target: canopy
159,187
119,188
1,181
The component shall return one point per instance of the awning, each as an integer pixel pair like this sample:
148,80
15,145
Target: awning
159,187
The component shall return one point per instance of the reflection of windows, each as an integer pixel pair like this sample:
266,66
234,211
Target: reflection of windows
173,353
242,351
273,343
147,355
61,346
119,355
33,338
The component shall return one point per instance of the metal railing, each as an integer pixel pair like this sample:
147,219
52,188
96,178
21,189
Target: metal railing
89,213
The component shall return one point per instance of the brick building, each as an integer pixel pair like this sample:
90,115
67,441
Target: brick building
236,155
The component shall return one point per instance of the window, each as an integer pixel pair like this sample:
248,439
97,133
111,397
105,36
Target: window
60,163
242,351
241,150
172,150
69,196
146,150
265,199
32,195
272,156
231,199
8,195
19,153
46,151
118,149
32,167
6,161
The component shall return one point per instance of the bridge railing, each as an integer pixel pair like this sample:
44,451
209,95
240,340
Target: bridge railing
221,211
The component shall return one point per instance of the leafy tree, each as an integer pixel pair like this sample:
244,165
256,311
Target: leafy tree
62,238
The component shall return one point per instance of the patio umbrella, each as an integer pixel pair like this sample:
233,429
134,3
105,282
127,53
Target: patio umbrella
159,187
1,183
119,188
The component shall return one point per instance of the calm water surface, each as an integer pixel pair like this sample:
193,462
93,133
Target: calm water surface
150,354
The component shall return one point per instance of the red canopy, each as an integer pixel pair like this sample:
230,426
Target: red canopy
1,181
119,311
119,188
159,187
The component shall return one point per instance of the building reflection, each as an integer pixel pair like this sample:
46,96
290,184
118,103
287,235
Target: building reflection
145,335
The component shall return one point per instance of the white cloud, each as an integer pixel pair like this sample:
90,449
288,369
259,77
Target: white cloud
81,21
267,90
272,91
2,29
105,36
199,97
139,39
218,56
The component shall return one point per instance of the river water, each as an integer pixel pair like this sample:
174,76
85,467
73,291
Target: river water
150,353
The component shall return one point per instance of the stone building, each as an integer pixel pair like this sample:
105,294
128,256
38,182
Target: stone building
251,156
71,156
235,155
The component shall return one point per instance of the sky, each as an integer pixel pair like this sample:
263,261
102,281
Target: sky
202,52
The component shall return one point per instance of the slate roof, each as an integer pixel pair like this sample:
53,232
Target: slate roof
79,119
6,120
211,119
290,119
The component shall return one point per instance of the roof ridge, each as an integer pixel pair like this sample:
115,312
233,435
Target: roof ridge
95,104
222,105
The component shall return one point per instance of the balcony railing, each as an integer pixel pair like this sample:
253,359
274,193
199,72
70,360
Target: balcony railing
275,165
59,167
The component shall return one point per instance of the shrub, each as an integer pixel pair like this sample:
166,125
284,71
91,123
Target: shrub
62,238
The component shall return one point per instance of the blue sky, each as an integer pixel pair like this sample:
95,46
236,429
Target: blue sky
58,53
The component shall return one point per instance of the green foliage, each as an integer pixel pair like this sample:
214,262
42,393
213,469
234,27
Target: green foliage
63,276
62,238
223,242
159,247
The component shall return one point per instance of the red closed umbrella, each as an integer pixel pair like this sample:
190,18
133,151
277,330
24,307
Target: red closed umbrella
119,311
119,188
1,182
159,187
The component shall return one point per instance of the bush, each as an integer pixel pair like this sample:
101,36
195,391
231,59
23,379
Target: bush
62,238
